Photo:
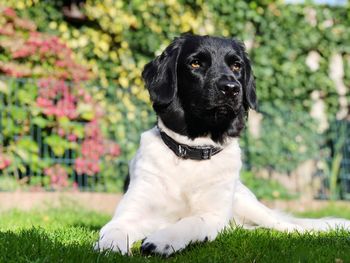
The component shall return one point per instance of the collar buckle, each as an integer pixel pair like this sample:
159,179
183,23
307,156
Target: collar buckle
182,151
206,153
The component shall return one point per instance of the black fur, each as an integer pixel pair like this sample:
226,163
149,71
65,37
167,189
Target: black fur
212,99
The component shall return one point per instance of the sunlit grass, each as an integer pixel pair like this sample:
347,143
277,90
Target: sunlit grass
67,235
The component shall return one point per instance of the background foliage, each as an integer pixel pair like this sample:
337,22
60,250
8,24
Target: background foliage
44,120
118,37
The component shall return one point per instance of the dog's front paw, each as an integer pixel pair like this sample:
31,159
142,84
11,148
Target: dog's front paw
113,239
163,249
163,243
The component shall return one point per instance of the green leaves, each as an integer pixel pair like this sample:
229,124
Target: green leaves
86,111
288,137
59,145
40,121
122,36
25,147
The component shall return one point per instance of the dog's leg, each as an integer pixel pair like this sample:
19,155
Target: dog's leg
209,212
118,236
133,220
248,211
187,230
141,211
122,231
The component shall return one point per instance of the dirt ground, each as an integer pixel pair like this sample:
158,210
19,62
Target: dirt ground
106,203
101,202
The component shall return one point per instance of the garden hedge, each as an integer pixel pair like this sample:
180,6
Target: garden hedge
118,37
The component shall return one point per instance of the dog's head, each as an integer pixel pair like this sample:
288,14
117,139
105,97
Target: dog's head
202,86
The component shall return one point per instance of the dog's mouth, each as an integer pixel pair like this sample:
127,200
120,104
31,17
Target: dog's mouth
215,114
224,108
223,111
220,113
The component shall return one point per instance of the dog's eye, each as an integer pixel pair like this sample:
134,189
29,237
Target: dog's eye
195,63
236,67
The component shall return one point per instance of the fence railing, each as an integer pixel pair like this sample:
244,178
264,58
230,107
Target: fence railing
339,160
57,136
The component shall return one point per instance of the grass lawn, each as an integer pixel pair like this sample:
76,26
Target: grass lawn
67,235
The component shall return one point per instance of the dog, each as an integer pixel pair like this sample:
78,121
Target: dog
184,180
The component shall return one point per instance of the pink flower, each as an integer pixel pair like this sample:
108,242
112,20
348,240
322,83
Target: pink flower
43,102
66,108
87,98
4,162
58,176
79,165
9,12
61,132
60,63
92,149
94,167
44,49
72,138
7,30
24,24
112,148
49,111
86,166
92,130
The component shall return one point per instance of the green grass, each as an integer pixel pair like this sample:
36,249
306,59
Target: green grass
67,235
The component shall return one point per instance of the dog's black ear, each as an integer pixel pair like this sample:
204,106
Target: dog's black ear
160,75
250,92
250,100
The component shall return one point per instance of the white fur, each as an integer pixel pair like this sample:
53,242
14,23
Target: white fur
172,202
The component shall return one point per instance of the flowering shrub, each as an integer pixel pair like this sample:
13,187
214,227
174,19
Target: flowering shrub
93,148
4,161
56,99
29,53
58,177
57,104
119,37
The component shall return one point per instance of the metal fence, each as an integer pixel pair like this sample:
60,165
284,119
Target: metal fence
56,142
340,158
51,142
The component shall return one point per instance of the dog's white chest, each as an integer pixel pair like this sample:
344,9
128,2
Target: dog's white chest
156,158
178,185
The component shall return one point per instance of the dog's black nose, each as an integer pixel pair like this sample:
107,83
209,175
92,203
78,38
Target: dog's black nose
229,88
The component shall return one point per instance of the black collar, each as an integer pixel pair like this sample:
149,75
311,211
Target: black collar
189,152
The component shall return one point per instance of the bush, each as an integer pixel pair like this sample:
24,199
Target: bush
118,37
265,189
287,138
57,107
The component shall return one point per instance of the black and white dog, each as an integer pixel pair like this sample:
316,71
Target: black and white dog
184,180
